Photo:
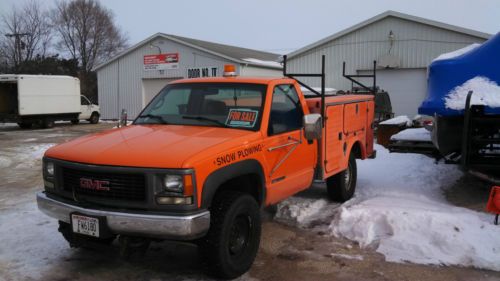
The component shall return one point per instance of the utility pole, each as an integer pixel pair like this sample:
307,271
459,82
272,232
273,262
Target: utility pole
18,46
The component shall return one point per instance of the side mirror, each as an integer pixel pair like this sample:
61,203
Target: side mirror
123,119
312,126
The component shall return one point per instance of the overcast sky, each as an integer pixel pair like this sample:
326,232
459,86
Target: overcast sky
279,25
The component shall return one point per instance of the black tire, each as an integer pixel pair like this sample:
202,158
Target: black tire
75,121
233,239
77,240
25,125
341,187
47,123
94,118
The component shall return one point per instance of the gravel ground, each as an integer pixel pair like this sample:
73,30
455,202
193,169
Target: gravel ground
33,249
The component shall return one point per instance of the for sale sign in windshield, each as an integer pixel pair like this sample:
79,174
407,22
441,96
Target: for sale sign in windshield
161,61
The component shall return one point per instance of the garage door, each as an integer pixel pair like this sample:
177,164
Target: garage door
151,87
407,88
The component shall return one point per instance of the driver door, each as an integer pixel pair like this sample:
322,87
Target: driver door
290,158
85,108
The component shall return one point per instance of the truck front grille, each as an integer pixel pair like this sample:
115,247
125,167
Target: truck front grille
89,184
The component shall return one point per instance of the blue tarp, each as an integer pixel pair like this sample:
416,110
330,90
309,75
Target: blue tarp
446,74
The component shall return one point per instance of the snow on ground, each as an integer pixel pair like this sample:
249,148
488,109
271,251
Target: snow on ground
22,158
398,120
413,134
457,53
486,92
400,211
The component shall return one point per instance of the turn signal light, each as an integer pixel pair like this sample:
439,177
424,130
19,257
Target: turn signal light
166,200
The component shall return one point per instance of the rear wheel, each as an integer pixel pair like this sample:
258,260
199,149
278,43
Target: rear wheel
94,118
47,123
25,125
341,186
233,239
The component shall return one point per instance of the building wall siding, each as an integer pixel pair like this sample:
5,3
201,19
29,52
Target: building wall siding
415,44
120,82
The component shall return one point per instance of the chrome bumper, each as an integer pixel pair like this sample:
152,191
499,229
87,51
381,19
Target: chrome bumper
159,226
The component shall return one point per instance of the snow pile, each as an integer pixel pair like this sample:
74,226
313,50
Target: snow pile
457,53
398,120
403,215
486,92
400,211
264,62
421,230
413,134
300,212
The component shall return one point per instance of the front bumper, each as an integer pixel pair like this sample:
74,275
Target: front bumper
181,227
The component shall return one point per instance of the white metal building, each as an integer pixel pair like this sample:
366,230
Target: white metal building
131,79
403,46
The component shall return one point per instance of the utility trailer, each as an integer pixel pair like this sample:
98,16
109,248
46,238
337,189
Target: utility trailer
39,99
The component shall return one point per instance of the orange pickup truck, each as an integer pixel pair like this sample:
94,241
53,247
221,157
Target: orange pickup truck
200,161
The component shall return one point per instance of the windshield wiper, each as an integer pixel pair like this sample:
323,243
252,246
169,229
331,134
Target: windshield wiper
154,116
203,118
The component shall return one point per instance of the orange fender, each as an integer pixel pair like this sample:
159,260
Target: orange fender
493,205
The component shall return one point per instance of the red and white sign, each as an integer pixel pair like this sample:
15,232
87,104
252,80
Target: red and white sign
161,61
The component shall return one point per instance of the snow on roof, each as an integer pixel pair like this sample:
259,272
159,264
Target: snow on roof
486,92
457,53
263,62
398,120
413,134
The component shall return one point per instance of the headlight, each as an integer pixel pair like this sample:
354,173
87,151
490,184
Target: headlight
173,183
49,169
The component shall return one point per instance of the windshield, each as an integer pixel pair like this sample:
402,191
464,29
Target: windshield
233,105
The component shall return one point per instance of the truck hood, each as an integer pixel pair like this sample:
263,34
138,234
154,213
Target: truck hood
151,146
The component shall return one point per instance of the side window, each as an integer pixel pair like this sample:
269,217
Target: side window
286,110
84,101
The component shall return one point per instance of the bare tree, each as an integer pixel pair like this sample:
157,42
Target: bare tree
26,33
87,31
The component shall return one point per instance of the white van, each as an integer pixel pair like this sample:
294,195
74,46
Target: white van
43,99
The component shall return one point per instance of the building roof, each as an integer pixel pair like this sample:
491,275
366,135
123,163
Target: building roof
386,15
232,53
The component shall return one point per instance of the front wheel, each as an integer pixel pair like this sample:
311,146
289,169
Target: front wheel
233,239
94,118
341,186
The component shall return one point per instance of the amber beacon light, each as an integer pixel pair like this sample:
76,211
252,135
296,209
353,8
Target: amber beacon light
229,70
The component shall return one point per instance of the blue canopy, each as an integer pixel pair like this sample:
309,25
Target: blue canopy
446,74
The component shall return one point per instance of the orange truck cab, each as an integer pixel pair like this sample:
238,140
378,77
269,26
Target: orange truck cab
200,161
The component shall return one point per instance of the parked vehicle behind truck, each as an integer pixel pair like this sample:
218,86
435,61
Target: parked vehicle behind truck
199,162
43,99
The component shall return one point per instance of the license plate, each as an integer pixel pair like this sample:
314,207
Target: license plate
85,225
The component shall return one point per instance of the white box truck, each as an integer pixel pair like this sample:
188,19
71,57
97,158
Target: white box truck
43,99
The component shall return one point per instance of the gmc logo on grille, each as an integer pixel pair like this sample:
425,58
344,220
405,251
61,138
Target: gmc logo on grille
91,184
